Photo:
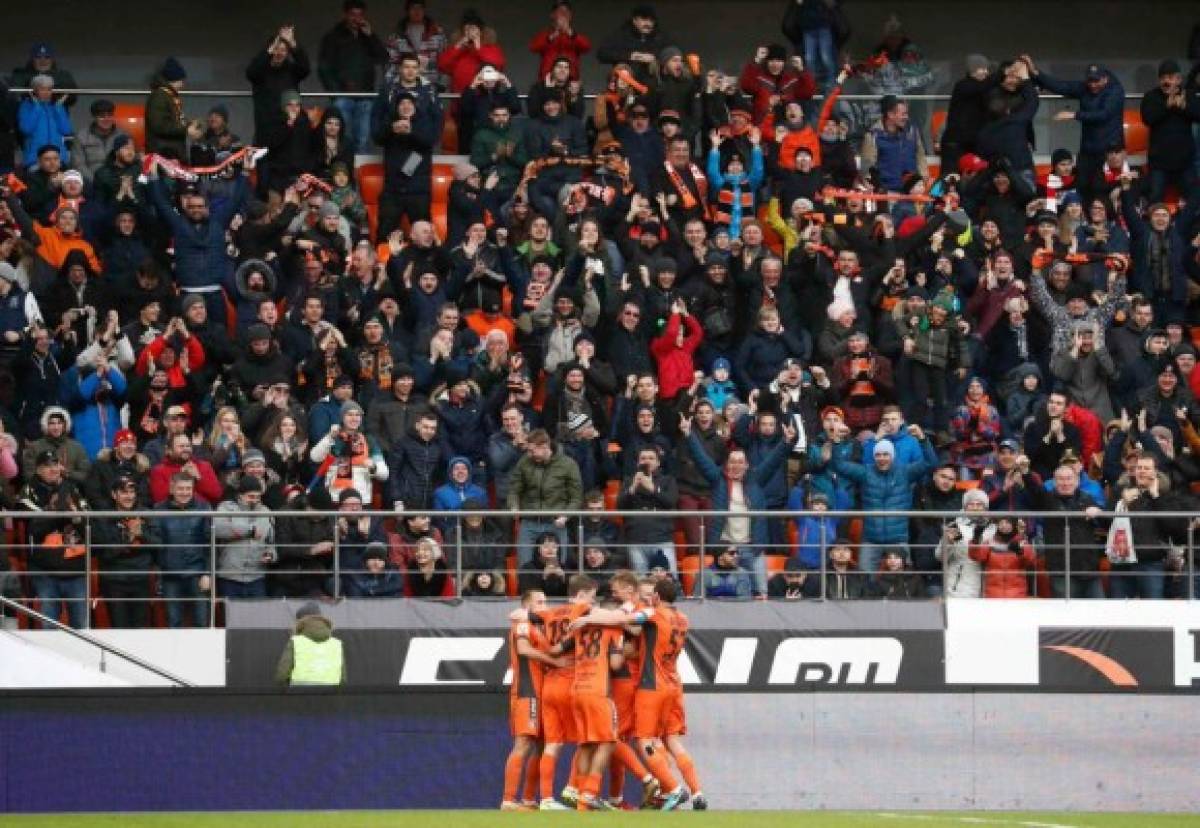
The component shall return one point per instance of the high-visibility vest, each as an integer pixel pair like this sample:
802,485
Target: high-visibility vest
316,662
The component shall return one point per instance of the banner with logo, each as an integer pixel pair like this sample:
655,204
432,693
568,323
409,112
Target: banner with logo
718,661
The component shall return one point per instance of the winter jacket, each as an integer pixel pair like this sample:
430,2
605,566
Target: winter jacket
675,365
96,402
1009,133
299,572
388,419
1100,114
201,260
415,466
268,83
1005,565
1085,549
402,176
620,44
726,583
186,537
54,557
347,60
246,541
166,130
887,491
114,549
963,573
649,530
787,86
554,485
1178,236
208,487
462,63
91,151
71,453
1172,145
761,356
44,123
894,154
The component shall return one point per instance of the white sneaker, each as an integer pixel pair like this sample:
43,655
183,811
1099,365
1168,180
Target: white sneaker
552,805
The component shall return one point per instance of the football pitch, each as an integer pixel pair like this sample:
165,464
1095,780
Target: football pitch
713,819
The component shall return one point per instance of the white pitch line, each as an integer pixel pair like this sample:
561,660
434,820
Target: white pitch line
968,820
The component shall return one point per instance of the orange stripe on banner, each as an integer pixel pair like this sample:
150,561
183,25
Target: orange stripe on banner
1112,670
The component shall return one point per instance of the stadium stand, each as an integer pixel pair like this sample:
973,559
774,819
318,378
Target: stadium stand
737,320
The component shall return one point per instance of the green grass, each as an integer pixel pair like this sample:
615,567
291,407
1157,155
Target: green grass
712,819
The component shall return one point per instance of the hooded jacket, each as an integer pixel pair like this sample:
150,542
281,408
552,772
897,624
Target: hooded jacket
70,452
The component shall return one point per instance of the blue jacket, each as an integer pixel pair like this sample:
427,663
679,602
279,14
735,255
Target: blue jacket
96,421
897,155
186,537
748,182
1101,115
887,491
822,477
813,532
324,414
726,583
753,486
43,123
908,450
200,257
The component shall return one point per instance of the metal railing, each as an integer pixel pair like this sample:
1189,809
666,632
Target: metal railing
103,646
336,552
450,96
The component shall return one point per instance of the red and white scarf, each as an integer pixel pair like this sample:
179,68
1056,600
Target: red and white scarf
174,169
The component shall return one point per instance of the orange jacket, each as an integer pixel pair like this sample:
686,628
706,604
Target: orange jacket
55,245
1004,572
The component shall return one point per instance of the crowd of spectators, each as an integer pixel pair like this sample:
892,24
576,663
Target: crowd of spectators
695,290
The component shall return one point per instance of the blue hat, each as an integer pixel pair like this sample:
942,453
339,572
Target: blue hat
41,50
721,362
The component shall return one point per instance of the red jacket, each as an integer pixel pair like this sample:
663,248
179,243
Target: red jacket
462,63
208,487
789,85
551,46
675,366
175,376
1004,572
1091,432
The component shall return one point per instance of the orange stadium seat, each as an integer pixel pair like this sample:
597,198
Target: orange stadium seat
775,563
937,122
131,118
370,183
450,136
1137,134
443,177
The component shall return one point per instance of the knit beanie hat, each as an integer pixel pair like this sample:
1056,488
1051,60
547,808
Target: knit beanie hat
884,447
975,62
172,70
975,496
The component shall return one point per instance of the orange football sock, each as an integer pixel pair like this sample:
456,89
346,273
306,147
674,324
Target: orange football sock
532,770
546,767
512,776
616,777
688,768
657,763
629,758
